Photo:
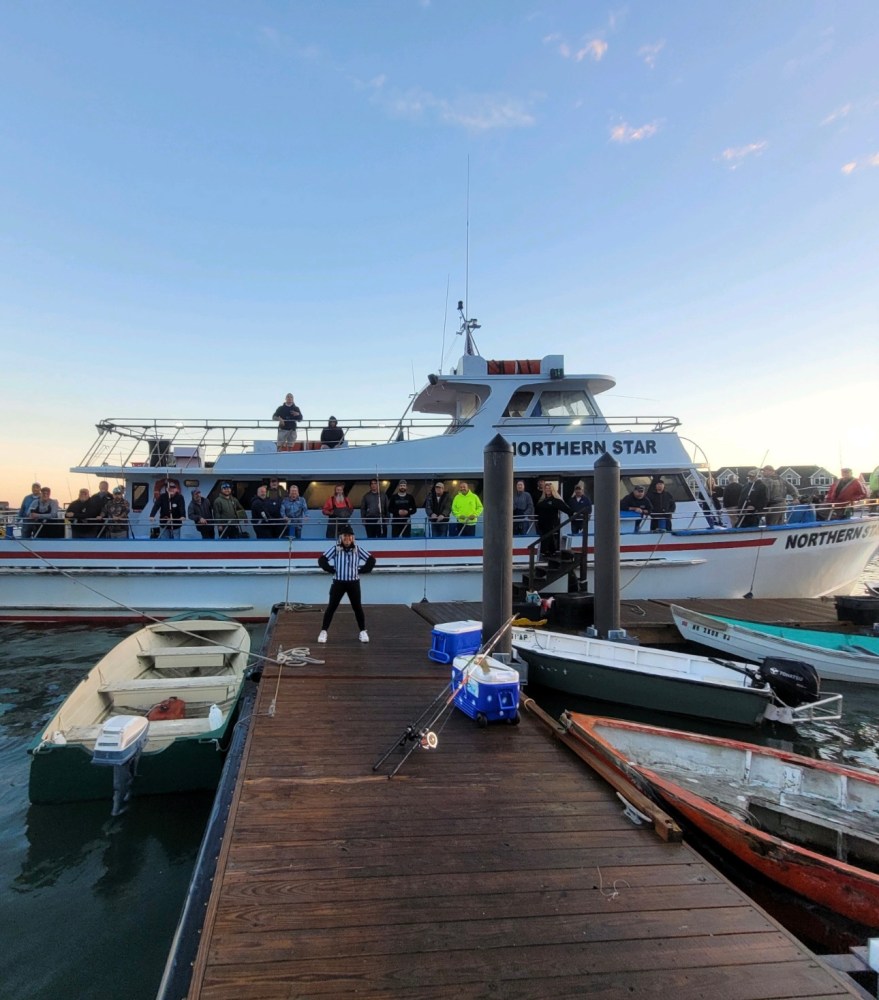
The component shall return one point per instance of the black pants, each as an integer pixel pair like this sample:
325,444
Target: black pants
338,589
375,529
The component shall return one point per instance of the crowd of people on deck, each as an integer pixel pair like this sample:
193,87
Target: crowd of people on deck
763,499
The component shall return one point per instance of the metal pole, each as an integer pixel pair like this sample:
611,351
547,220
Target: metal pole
497,559
607,545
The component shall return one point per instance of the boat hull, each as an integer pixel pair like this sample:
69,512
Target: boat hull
745,639
842,888
185,677
737,706
845,800
70,579
67,774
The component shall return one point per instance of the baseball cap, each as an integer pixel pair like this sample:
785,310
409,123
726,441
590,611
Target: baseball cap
225,486
117,489
347,530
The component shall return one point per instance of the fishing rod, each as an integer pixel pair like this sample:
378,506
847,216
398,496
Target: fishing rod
420,733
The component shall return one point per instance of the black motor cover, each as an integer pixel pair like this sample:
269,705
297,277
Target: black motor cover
793,681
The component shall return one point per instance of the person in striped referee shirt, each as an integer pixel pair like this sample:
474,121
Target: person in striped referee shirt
346,560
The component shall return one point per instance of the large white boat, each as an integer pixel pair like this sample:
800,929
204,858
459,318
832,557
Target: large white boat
553,422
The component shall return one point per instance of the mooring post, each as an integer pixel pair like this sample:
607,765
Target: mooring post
497,558
607,545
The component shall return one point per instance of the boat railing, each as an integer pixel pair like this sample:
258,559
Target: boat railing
125,442
596,423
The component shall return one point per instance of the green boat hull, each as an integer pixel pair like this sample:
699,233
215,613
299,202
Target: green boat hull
737,706
67,774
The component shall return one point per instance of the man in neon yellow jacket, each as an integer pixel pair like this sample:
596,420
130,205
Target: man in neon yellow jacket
466,510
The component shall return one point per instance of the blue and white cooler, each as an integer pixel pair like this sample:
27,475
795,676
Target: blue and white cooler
455,638
485,689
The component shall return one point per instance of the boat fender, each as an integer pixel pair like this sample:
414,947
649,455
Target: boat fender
794,682
324,564
170,708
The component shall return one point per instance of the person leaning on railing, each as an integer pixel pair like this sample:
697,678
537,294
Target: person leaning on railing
466,510
845,491
115,515
229,516
200,512
77,514
46,515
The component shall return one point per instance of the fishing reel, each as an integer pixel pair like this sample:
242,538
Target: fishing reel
429,740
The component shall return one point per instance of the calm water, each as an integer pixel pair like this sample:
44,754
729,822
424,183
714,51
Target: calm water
89,904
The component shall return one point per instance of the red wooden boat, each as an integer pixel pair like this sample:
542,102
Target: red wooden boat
811,825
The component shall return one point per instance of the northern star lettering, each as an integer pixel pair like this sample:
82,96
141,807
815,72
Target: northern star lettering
635,447
833,537
618,446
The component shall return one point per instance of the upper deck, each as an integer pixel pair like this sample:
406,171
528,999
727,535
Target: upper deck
533,404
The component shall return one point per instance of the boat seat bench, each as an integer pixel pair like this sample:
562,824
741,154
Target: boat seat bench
181,657
165,727
150,691
853,825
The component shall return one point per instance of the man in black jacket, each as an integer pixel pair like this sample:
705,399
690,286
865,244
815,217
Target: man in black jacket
265,513
171,509
200,511
754,498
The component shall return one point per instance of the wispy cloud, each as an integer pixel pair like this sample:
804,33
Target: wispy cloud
735,156
842,112
474,112
863,163
275,39
588,48
649,52
624,132
852,109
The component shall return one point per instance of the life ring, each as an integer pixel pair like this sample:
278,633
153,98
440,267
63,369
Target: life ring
160,485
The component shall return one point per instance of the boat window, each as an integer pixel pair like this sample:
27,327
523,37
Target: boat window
140,495
564,403
519,404
468,404
675,484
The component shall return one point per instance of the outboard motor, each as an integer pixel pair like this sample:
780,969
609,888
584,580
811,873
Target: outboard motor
793,682
119,745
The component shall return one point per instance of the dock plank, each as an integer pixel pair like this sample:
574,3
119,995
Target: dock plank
497,865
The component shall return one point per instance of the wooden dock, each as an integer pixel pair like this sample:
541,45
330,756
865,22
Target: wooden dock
497,865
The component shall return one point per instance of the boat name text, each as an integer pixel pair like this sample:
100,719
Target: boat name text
617,446
834,537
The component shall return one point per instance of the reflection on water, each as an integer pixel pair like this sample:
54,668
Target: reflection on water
88,903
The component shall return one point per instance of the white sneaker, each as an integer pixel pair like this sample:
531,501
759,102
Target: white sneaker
363,636
322,636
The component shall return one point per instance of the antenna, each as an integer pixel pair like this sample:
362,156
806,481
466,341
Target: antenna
467,244
445,324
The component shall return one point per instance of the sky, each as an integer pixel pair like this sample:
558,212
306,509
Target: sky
206,205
